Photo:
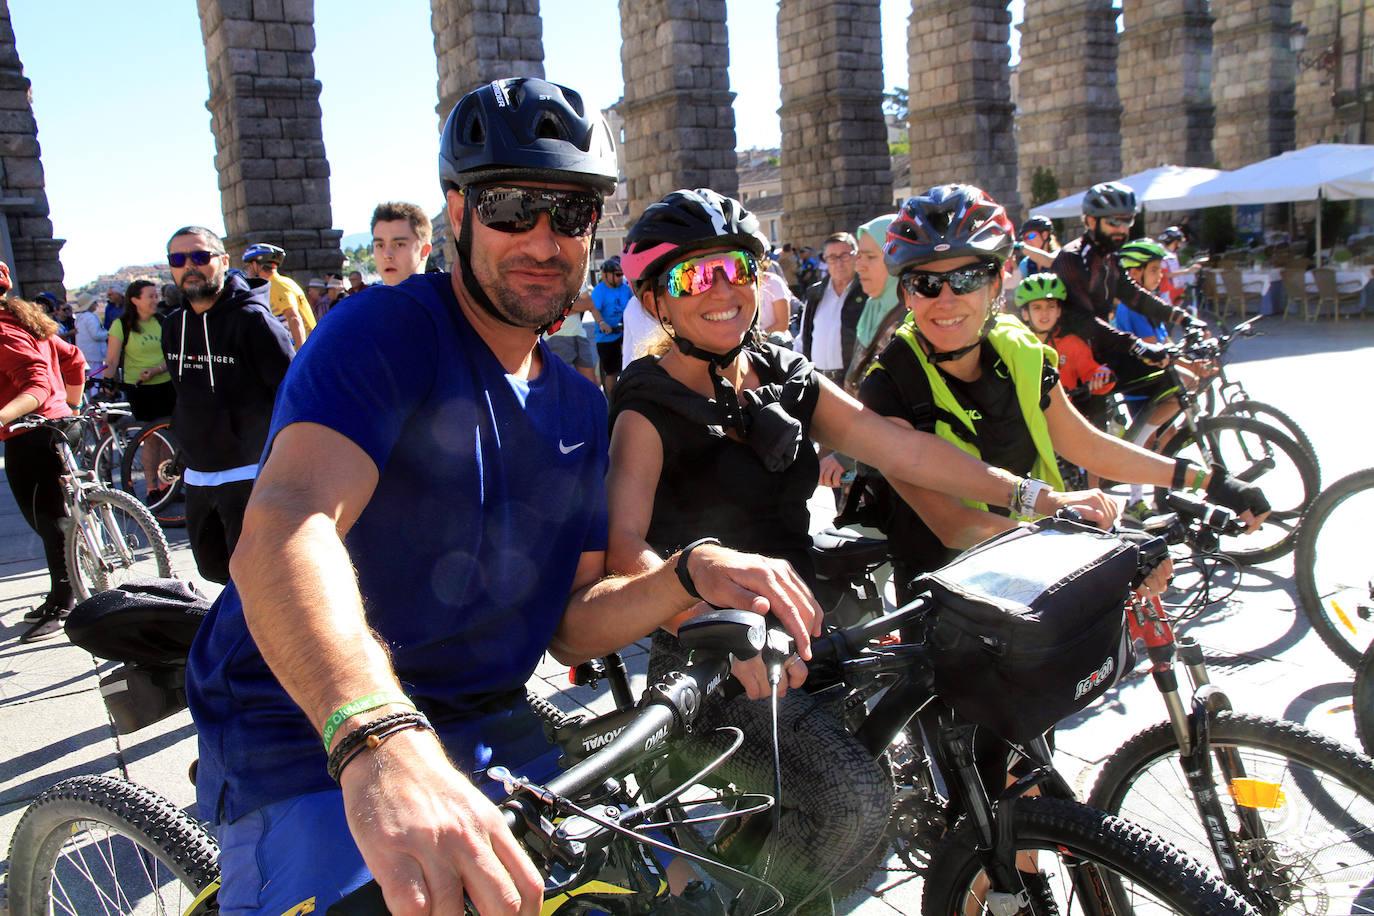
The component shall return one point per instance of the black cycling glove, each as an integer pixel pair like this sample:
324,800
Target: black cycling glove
1150,352
1236,495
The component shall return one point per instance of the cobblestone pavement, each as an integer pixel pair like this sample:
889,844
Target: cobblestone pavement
1261,649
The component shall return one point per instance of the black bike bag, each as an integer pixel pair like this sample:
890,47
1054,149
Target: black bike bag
1029,627
148,624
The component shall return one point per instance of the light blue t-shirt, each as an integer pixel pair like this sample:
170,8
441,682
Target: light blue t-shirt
490,489
610,302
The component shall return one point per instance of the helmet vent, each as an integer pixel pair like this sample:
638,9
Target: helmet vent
475,133
548,128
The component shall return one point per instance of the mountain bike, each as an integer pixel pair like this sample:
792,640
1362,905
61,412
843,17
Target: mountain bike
1287,813
953,818
99,844
1224,396
110,536
1249,448
1333,566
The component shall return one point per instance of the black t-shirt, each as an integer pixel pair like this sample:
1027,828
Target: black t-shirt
714,486
1000,433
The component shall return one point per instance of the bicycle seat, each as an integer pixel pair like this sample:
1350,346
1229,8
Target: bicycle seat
144,621
841,554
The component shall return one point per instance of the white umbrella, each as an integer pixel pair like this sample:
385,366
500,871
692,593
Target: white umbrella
1334,171
1165,181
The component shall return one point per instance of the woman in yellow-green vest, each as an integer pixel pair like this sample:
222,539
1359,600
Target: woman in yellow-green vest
985,383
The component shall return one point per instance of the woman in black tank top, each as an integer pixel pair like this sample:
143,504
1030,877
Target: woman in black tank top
716,438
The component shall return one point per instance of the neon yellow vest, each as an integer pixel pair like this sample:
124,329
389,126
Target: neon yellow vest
1024,356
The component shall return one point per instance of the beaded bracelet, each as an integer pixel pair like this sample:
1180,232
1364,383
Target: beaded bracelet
370,736
357,707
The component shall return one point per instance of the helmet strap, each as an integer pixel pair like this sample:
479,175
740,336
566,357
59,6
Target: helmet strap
725,396
475,290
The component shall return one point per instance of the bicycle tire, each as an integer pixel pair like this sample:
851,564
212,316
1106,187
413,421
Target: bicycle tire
1143,781
91,827
1339,634
1268,413
106,461
88,573
1081,835
1278,535
1363,693
166,507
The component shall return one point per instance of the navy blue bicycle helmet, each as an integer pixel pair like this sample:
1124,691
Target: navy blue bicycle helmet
526,129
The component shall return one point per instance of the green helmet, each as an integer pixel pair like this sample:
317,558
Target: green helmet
1040,286
1141,252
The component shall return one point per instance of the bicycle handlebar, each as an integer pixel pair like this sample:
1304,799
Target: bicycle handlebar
667,712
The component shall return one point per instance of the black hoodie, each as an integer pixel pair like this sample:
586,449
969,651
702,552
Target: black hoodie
226,364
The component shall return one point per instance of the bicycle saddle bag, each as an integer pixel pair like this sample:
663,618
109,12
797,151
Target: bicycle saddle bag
145,621
1029,627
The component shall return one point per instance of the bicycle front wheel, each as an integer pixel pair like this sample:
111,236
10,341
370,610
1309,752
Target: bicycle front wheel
152,470
1260,454
113,540
1268,413
96,844
1312,798
1334,570
1094,863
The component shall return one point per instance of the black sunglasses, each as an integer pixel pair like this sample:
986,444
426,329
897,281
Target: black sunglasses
962,280
513,210
178,259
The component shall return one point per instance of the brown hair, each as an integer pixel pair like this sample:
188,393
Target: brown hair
31,317
842,238
128,319
399,209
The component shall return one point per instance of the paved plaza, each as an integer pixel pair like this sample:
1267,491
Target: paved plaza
1260,647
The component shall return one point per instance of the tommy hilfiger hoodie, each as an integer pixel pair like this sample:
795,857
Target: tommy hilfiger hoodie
226,364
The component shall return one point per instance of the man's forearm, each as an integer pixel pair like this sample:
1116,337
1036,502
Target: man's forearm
302,606
614,612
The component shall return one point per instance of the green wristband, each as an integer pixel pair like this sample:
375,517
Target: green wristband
362,704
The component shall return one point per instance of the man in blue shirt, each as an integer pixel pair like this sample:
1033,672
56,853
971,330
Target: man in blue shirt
429,518
609,298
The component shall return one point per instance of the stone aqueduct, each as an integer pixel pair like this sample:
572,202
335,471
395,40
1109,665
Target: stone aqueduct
1190,82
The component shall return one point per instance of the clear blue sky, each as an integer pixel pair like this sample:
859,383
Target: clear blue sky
120,100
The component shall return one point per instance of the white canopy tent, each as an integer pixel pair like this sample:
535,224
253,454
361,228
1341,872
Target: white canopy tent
1165,181
1331,171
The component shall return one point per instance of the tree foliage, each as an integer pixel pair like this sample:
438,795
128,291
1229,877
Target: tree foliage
1044,186
896,103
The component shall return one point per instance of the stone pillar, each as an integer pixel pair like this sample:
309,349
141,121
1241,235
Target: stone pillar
836,171
1253,80
960,91
477,41
678,108
33,254
1069,115
1165,83
269,146
1318,119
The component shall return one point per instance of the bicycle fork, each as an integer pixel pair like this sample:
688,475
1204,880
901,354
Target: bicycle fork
1192,730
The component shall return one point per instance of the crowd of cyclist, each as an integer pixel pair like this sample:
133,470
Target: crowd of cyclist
474,466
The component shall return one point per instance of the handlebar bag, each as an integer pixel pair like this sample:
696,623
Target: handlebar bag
1029,627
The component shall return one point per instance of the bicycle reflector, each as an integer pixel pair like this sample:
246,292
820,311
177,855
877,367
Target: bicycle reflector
1257,793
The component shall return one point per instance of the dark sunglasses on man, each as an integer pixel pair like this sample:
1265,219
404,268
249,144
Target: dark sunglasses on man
513,210
199,258
1119,222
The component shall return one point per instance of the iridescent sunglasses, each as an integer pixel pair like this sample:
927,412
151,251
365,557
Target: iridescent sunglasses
697,275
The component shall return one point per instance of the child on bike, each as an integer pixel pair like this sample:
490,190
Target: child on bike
1040,297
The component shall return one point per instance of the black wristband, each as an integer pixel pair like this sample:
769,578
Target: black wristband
371,734
683,575
1180,478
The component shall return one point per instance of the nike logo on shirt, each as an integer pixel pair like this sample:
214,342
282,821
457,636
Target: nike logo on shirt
569,449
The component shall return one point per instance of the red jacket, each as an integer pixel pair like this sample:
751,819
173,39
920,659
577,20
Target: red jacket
1076,363
42,368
